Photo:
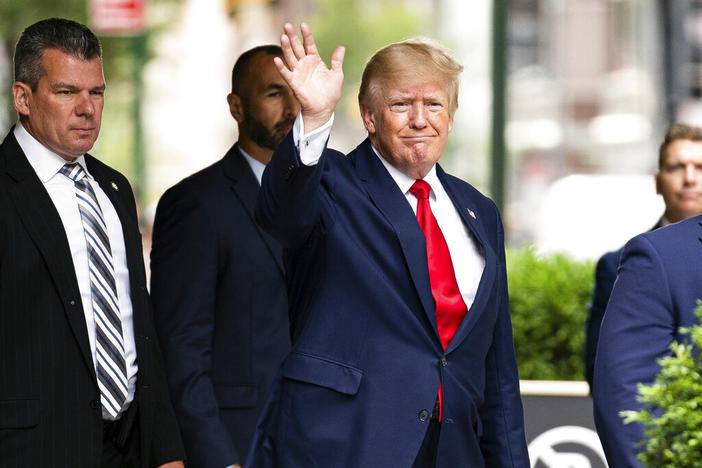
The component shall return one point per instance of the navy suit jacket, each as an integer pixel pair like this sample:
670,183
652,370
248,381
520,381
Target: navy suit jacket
362,377
50,411
221,308
659,282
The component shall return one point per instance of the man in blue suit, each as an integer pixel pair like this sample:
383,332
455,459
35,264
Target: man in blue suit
217,280
655,294
679,182
402,344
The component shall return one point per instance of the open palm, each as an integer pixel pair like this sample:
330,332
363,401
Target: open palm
316,87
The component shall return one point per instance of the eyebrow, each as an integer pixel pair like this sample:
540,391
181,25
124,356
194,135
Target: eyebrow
403,96
274,86
435,97
396,97
71,87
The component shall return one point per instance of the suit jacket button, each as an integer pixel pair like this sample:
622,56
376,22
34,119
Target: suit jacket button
444,362
423,415
94,404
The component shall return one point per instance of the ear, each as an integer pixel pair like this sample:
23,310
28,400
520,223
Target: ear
450,123
368,119
236,107
22,95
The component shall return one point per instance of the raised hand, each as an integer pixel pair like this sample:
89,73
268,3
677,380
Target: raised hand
316,87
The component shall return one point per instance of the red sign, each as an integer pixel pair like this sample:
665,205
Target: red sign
117,16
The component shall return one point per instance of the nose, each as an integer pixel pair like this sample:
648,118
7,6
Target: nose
418,115
291,106
690,173
84,105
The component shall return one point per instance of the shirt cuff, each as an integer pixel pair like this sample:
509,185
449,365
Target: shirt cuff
311,146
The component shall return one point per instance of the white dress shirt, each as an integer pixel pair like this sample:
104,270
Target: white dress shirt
466,255
61,189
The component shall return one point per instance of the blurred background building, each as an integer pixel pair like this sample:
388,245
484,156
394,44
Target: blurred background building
589,87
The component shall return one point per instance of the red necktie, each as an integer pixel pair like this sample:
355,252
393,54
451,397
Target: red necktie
449,306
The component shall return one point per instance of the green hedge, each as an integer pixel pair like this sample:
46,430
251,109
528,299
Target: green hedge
548,296
672,414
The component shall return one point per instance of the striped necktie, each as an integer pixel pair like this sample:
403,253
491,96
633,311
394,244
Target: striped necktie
109,344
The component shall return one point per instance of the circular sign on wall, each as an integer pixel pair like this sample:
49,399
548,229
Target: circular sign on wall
567,447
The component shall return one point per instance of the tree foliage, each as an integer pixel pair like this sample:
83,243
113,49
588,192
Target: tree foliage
672,413
548,297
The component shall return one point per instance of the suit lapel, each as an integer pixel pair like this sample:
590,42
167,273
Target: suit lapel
120,195
392,203
38,214
245,186
465,207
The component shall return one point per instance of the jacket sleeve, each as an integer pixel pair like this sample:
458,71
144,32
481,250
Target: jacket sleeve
184,261
289,204
157,420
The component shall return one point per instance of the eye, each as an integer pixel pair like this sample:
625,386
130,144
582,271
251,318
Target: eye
98,92
435,106
399,106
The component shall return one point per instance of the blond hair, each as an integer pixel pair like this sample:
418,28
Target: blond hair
416,57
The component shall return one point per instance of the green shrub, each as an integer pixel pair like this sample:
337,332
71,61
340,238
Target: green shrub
548,296
672,414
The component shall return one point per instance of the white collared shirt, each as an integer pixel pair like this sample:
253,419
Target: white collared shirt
61,189
466,255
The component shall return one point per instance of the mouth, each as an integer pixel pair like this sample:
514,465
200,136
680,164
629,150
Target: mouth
84,131
285,127
417,139
690,196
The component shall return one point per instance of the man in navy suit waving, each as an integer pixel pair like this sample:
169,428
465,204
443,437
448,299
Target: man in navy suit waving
402,349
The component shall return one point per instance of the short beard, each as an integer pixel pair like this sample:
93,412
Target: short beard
259,134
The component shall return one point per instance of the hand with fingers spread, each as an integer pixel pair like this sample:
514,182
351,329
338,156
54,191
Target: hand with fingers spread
316,87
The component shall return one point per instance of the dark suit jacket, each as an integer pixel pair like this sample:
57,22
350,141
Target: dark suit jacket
50,411
605,275
221,308
362,377
659,282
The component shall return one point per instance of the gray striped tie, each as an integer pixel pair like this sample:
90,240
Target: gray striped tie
109,345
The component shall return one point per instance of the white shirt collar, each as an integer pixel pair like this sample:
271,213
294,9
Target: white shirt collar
256,166
45,162
404,181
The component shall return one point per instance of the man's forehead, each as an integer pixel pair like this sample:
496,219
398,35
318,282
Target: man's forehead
58,63
414,88
55,54
683,149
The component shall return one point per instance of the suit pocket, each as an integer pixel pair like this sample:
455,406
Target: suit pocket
19,413
323,372
239,396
